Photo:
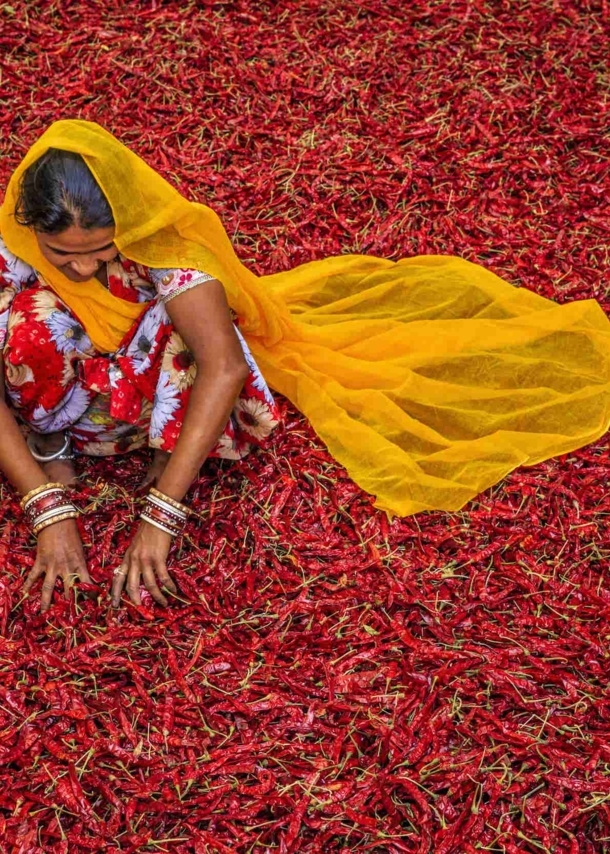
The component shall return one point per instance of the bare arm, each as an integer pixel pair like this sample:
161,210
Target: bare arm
16,461
60,551
202,318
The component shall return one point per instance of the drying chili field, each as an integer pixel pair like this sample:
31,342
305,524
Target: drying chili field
329,680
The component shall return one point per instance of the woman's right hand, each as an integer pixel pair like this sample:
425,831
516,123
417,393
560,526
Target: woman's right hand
60,553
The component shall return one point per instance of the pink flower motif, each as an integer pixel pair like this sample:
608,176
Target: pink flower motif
185,277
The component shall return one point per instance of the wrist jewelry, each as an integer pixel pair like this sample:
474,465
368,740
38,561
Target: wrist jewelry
47,505
33,493
182,508
64,453
164,513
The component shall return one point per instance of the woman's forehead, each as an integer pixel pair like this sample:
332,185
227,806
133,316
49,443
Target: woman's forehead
78,241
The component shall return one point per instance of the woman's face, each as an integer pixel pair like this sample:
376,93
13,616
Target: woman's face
78,252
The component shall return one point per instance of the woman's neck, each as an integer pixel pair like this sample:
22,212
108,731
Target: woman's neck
102,275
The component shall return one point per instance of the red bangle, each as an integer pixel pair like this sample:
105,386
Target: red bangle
164,521
45,502
162,516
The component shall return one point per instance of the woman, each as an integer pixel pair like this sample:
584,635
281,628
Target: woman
429,379
181,380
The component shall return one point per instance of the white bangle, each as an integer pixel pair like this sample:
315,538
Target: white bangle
167,507
156,524
55,511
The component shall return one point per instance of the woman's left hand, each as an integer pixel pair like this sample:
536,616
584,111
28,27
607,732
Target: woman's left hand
145,562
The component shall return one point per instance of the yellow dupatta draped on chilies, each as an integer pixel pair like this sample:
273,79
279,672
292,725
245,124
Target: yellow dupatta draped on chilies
428,379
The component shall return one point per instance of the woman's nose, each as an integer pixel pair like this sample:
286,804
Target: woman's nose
85,266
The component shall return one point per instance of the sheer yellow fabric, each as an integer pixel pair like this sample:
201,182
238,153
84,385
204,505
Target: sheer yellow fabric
428,379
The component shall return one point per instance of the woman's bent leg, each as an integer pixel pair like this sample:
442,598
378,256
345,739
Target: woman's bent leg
254,417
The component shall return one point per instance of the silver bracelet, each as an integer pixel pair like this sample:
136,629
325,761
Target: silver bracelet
58,455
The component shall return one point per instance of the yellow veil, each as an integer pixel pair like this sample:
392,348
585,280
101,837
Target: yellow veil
429,379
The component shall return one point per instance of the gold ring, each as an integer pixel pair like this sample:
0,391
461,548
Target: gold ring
117,571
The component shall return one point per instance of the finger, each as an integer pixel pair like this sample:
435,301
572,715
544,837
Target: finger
150,582
165,580
118,582
71,572
133,584
76,570
48,586
69,577
83,574
33,576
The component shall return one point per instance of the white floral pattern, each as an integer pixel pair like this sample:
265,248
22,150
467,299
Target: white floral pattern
6,297
228,449
16,318
131,278
165,403
256,377
176,352
45,303
14,275
67,333
255,417
72,407
14,271
19,374
4,316
143,347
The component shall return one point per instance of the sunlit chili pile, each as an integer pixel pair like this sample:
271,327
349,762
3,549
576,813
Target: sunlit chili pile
329,681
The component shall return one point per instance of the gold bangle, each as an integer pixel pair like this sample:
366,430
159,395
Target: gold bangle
70,514
34,492
169,509
65,507
171,501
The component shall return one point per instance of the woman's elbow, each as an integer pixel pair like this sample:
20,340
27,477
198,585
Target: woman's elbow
233,371
241,371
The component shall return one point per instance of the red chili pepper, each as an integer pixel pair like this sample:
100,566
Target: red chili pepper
433,670
168,714
179,676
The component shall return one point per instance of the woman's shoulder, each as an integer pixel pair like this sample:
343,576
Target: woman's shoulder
166,283
13,271
170,282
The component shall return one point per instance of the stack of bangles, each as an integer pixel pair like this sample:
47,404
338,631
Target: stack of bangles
47,505
164,513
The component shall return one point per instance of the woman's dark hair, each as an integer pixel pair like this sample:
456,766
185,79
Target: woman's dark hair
58,191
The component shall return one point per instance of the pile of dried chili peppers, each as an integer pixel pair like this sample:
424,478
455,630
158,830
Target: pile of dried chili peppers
329,681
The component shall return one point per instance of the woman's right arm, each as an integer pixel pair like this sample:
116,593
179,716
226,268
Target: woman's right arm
16,461
60,551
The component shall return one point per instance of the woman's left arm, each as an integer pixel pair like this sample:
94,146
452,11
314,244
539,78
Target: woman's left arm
202,318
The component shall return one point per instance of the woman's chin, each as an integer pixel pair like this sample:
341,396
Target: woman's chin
74,277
